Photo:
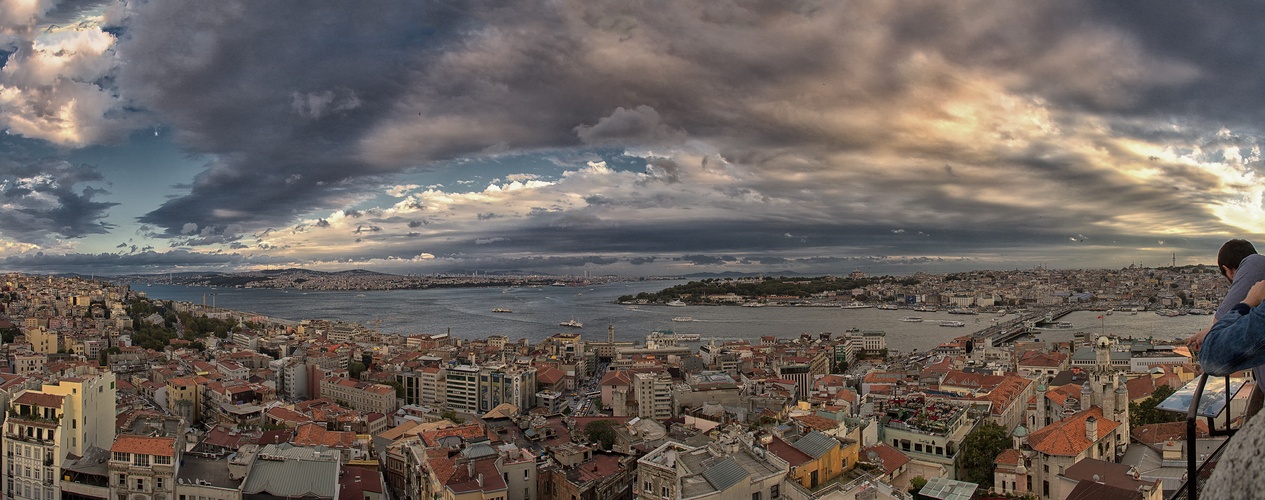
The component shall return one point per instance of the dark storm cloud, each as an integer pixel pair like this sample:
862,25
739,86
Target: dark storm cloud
275,105
144,260
44,198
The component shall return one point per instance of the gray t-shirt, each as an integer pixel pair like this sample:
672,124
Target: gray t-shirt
1250,271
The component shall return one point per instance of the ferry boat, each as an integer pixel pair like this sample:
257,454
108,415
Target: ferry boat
682,319
911,319
963,310
676,303
888,307
929,309
856,305
688,337
754,304
502,310
573,323
956,324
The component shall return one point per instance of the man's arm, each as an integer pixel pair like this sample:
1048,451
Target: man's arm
1237,340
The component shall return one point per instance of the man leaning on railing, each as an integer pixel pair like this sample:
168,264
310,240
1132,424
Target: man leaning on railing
1237,340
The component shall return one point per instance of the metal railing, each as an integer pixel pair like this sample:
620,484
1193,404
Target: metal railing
1197,473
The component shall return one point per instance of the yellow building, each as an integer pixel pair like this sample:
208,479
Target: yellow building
89,410
184,398
815,458
42,340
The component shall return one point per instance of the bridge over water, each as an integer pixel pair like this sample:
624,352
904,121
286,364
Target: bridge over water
1018,327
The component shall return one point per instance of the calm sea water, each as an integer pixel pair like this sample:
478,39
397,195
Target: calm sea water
467,313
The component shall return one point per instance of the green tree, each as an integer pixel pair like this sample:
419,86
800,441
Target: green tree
8,334
1144,412
601,432
916,484
979,449
355,368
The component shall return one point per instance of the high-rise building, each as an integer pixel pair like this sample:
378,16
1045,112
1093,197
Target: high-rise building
503,383
653,392
462,388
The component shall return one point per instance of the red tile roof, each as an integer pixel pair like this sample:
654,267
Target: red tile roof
1140,387
145,445
39,399
886,456
1067,436
1008,457
1172,431
788,453
466,432
315,435
817,422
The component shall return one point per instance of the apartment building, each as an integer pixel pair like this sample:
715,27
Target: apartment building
143,467
361,395
653,392
34,439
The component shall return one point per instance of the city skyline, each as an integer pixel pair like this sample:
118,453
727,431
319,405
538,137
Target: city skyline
608,138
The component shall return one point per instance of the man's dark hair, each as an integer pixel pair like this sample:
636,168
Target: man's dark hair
1232,253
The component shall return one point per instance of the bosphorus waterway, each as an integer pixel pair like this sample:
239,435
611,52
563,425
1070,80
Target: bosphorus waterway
467,313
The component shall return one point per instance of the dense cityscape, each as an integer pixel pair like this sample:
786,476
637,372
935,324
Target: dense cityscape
113,394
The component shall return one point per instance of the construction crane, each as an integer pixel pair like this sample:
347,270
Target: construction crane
376,323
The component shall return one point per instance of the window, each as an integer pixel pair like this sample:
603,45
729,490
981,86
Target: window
122,457
122,480
525,474
74,424
773,492
665,492
755,495
162,460
1045,486
140,483
140,460
158,483
646,487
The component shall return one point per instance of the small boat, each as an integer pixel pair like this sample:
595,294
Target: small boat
1063,324
502,310
688,337
630,308
682,319
573,323
754,304
912,319
952,323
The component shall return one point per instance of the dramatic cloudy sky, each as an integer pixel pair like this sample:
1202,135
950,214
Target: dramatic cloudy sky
627,137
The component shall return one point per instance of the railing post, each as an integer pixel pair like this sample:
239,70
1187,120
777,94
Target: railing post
1192,470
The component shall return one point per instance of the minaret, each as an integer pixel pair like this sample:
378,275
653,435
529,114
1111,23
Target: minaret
610,335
